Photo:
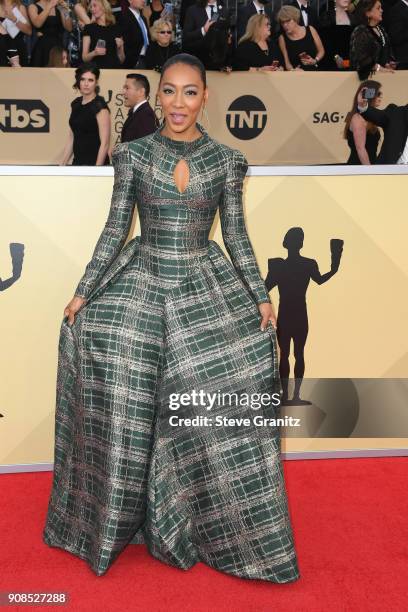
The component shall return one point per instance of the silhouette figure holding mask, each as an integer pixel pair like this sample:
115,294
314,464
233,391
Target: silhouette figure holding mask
292,276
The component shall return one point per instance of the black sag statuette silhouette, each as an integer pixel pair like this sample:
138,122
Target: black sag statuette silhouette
292,276
17,256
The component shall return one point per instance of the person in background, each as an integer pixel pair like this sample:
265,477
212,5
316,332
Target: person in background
335,27
256,50
89,122
370,47
51,18
162,44
58,58
116,8
199,18
102,41
135,34
394,122
397,25
253,7
308,13
301,46
16,23
83,13
141,119
363,136
153,11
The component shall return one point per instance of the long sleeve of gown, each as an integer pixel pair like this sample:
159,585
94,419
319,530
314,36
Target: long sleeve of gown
117,226
234,231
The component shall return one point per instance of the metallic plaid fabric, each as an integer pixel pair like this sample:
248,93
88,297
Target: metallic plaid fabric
169,313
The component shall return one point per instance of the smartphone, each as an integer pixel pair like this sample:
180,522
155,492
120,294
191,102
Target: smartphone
168,8
101,43
275,63
369,93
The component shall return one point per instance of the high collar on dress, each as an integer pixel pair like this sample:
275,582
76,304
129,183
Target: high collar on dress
183,147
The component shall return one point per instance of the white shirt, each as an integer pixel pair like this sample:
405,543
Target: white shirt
404,157
208,11
260,7
304,15
139,104
142,26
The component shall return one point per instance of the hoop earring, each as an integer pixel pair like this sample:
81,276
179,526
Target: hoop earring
207,119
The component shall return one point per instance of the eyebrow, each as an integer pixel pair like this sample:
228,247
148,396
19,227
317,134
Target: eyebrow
188,85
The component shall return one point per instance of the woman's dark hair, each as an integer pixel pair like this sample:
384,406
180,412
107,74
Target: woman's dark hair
55,57
188,60
361,9
88,67
370,126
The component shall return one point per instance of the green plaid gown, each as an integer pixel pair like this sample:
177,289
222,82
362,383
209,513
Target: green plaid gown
168,312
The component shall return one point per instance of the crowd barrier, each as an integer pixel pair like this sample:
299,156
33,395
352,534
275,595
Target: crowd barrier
282,118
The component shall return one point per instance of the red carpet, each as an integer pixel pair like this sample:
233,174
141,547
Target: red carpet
350,519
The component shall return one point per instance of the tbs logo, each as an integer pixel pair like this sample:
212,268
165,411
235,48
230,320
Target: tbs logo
24,116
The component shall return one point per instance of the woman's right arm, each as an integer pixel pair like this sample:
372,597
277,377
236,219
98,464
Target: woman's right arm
358,128
69,149
117,226
282,47
81,14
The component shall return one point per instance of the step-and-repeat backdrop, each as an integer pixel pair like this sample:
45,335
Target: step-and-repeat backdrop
280,118
356,359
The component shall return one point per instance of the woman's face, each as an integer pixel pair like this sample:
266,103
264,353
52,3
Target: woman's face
96,9
87,84
164,35
265,29
374,16
181,94
64,58
289,25
343,4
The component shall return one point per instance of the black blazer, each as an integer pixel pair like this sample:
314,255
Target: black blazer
245,12
398,31
394,121
139,123
192,39
132,37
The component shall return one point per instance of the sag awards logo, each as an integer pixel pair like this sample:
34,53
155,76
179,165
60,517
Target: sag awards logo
246,117
24,116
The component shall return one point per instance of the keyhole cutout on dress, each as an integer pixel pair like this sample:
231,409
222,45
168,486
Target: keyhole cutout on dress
181,175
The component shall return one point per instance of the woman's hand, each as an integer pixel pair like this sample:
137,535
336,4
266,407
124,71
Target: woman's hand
72,308
99,51
119,42
268,314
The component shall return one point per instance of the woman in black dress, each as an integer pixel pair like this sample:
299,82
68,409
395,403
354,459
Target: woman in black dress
162,46
16,23
51,18
301,46
370,48
89,123
335,28
102,41
256,50
361,135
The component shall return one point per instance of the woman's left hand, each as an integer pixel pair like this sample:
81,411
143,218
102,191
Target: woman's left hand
268,314
119,42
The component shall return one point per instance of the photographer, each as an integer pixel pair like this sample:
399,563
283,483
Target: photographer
50,18
394,121
199,19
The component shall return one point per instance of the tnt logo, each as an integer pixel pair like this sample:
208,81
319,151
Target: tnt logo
24,116
246,117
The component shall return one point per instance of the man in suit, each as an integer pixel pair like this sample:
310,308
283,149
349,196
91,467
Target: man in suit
308,13
135,33
141,119
394,121
397,27
199,18
252,8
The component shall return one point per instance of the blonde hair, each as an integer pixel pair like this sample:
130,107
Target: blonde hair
287,13
106,7
253,26
158,25
15,3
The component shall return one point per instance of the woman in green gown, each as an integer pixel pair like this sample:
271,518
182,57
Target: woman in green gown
165,317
